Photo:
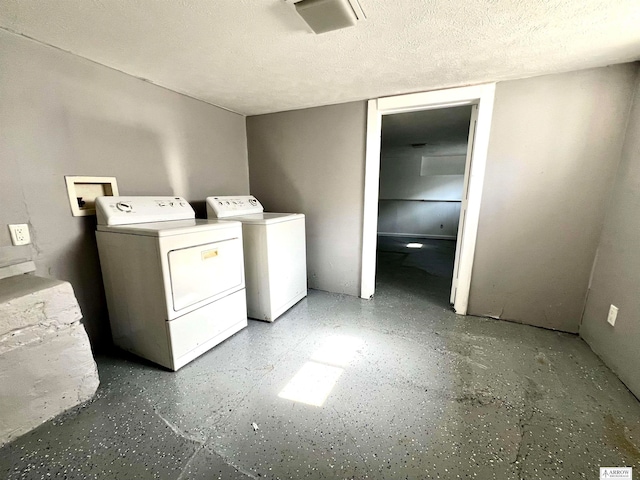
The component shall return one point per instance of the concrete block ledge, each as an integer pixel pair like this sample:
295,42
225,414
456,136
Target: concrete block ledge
46,363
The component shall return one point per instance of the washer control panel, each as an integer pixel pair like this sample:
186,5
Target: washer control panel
233,206
127,210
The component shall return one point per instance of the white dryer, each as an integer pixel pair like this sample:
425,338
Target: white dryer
174,285
275,254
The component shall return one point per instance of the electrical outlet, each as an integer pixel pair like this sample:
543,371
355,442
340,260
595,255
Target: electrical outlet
20,234
613,313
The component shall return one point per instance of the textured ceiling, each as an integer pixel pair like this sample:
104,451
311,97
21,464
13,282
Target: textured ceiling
258,56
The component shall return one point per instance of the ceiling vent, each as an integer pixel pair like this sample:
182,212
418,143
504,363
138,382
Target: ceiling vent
327,15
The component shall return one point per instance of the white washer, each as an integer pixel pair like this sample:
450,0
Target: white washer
275,254
174,285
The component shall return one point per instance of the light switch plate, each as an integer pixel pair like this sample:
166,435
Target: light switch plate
20,234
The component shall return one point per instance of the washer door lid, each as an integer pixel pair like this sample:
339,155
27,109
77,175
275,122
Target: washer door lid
268,218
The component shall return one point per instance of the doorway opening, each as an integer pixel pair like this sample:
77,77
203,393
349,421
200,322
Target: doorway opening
423,157
480,100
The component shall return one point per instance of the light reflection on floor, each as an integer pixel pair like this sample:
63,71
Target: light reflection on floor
313,383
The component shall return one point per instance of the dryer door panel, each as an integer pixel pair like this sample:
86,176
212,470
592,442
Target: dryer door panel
204,271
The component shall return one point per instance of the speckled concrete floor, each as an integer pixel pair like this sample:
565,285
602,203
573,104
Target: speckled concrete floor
412,391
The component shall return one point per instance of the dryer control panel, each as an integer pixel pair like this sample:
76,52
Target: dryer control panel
128,210
233,206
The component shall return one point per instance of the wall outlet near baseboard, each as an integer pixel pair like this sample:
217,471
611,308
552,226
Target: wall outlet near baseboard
613,313
20,234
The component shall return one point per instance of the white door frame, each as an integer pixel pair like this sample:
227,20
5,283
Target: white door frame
473,121
481,95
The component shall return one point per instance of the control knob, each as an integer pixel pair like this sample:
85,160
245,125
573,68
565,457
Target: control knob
124,206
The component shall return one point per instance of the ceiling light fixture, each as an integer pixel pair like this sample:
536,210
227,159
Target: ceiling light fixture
327,15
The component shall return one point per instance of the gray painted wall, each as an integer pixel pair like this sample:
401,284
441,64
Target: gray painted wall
401,176
403,181
616,274
312,161
554,149
63,115
418,219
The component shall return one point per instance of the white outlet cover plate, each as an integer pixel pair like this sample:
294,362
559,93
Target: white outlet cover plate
20,234
613,313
